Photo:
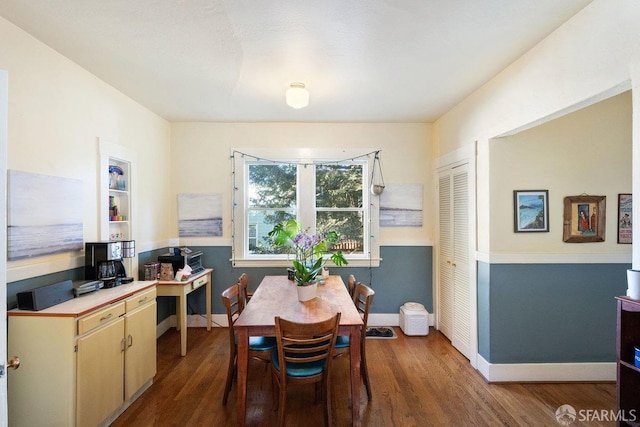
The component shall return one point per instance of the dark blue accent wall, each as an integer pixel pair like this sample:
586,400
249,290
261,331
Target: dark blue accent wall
14,288
548,313
405,274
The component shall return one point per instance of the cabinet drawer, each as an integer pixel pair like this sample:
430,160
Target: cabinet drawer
140,299
199,282
101,317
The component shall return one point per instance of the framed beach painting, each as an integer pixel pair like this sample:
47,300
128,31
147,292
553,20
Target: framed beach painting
199,215
531,211
44,215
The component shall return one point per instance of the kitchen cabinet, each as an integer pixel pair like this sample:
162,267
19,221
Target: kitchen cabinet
83,362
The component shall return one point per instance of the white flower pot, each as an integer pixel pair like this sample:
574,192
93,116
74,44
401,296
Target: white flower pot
633,284
308,292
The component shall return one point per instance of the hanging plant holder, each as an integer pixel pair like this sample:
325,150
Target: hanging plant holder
377,187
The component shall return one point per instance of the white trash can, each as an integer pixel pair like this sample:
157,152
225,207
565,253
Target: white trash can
414,319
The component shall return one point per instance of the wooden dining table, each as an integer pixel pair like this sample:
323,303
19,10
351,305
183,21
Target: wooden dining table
277,296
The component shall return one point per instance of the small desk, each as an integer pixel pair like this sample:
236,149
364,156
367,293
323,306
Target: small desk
180,290
277,296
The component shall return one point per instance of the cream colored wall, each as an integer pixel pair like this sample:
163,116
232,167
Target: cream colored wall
587,59
57,110
201,161
588,151
593,56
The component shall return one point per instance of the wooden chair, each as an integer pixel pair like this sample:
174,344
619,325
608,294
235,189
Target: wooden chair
259,347
243,282
362,299
351,285
304,355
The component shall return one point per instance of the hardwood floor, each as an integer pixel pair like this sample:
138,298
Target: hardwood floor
416,381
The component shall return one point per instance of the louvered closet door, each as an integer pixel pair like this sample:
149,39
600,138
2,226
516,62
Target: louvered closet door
461,337
454,315
445,256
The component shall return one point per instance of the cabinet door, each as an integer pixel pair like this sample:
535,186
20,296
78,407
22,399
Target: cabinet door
140,355
100,373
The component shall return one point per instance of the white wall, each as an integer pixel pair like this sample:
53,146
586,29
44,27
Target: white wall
201,160
593,56
57,110
585,152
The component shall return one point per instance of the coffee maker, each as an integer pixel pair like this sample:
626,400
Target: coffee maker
103,261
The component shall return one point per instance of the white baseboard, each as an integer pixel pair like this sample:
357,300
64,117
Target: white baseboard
546,372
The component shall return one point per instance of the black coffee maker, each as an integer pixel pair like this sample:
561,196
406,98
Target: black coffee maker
103,261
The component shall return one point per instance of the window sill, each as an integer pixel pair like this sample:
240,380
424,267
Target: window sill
257,263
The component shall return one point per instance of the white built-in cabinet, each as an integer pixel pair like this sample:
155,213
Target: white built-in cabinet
454,261
84,361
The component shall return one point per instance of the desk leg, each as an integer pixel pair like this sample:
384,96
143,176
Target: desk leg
208,291
354,353
182,323
243,366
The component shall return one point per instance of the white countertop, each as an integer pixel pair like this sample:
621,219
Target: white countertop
84,304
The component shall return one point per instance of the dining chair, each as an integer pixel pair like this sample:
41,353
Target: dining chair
259,347
304,355
351,284
362,298
243,282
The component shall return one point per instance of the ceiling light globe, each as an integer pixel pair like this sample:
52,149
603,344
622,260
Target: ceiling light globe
297,96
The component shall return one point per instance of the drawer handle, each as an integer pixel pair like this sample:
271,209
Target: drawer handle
108,316
143,300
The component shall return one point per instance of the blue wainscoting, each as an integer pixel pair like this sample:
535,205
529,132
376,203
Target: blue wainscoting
405,274
548,313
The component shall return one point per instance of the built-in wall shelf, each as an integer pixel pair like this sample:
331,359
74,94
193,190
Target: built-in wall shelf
117,189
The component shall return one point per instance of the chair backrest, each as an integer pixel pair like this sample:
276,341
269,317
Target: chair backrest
351,284
306,342
233,303
362,298
243,283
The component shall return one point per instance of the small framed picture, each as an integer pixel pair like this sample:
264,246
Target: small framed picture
584,219
624,218
531,211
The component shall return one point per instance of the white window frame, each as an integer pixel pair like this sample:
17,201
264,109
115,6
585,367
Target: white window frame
241,257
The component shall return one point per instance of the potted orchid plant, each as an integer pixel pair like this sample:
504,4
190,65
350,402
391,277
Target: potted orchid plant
309,250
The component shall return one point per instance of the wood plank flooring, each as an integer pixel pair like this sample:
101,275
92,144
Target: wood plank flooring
416,381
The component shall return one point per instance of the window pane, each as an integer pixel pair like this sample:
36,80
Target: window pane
348,225
260,223
272,186
339,186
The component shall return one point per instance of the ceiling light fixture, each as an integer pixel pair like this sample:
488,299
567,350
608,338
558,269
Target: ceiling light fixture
297,96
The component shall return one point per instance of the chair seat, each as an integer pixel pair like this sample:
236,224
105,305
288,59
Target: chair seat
342,341
299,370
261,343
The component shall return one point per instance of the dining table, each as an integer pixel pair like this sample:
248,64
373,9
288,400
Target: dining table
277,296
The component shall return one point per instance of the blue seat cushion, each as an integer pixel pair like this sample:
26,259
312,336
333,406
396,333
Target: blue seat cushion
342,341
299,369
262,343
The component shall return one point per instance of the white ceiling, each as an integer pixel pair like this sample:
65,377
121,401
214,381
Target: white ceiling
232,60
